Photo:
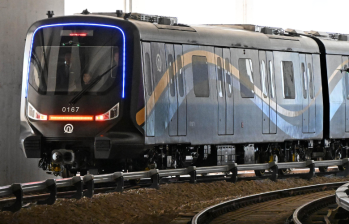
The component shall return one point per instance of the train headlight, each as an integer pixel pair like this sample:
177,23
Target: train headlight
110,115
34,114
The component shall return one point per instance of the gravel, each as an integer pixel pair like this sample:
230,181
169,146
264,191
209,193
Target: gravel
146,205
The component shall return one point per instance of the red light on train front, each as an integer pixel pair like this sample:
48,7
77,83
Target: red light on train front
78,34
110,114
34,114
101,118
70,118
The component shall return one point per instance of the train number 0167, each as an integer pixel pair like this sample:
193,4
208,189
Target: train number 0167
70,109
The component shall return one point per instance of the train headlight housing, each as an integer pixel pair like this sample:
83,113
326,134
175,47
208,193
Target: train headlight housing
110,114
34,114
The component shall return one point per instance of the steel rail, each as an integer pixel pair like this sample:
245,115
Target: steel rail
89,181
301,212
210,213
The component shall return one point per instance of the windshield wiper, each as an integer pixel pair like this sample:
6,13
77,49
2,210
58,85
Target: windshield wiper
89,86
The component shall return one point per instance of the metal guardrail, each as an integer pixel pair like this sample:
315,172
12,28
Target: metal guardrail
89,181
342,196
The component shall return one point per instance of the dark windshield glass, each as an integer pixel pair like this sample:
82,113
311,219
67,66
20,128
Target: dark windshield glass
66,59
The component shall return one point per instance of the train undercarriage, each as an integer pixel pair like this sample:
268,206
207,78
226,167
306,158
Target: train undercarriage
72,159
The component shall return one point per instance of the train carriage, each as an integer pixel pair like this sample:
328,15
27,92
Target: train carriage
114,91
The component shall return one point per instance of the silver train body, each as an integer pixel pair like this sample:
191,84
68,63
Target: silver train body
218,94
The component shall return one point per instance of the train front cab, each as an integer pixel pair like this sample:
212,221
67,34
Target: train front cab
74,90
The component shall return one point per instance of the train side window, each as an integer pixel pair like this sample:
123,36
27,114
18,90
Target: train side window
288,79
180,76
228,78
246,78
220,77
147,74
200,76
272,82
311,81
171,74
305,81
264,80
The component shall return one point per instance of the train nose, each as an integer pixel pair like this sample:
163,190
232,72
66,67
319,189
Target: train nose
63,156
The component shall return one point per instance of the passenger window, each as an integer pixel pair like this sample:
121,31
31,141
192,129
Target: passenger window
305,81
220,77
311,81
272,82
200,76
264,79
246,78
288,78
171,74
180,76
147,74
228,78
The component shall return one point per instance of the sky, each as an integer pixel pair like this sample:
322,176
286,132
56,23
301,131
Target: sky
318,15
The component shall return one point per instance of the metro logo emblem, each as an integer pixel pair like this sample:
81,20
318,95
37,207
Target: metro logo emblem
68,128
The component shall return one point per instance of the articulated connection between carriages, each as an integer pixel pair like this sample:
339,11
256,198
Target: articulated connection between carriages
88,181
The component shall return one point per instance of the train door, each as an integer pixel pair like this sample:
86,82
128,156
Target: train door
289,96
305,86
149,95
229,98
172,93
220,90
346,91
181,93
272,92
200,80
264,93
160,80
311,94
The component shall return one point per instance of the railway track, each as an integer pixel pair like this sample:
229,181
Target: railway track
332,209
317,211
270,207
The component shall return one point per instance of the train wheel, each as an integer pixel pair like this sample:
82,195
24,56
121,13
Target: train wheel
283,171
323,169
259,173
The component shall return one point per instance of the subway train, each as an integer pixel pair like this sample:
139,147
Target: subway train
103,92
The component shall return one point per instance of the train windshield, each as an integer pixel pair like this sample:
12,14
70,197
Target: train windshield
65,59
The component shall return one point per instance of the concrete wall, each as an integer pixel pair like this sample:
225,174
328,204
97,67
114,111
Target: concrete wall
15,18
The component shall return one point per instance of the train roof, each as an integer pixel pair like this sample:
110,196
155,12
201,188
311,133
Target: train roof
335,43
224,36
166,29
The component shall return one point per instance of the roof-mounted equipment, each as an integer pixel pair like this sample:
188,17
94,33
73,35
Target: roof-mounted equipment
256,28
318,33
164,20
294,32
